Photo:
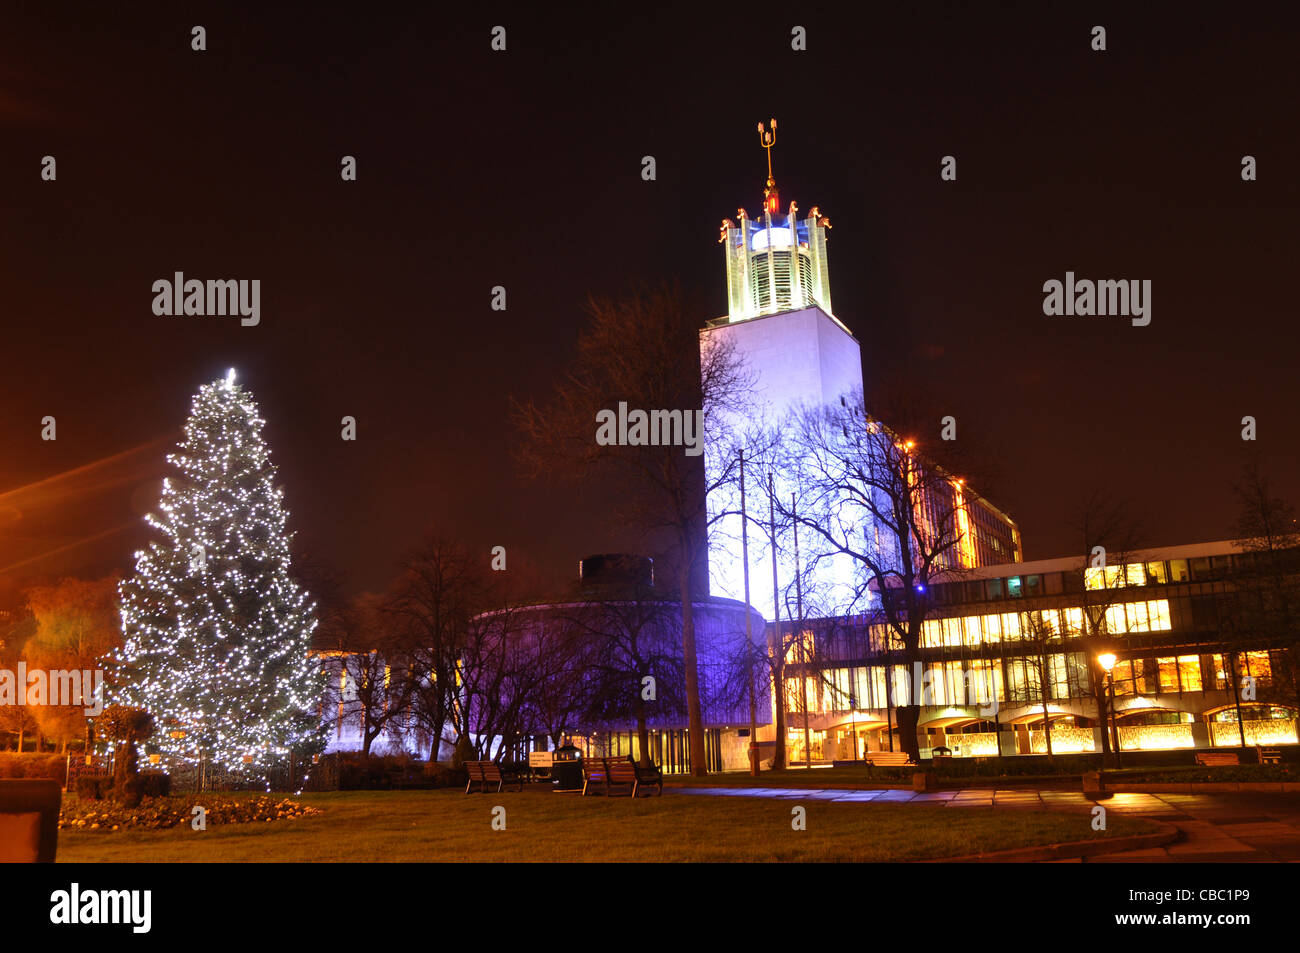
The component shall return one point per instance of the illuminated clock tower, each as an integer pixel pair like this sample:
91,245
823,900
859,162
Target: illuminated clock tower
780,323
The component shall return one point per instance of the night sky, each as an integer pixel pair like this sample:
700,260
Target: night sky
522,169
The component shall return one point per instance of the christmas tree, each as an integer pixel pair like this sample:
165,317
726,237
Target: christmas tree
216,631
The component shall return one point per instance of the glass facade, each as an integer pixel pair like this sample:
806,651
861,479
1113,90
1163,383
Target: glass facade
993,651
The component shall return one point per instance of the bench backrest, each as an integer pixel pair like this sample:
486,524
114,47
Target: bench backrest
1217,757
593,767
491,771
622,772
29,820
887,757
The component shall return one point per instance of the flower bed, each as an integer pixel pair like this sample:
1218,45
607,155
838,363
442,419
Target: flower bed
157,813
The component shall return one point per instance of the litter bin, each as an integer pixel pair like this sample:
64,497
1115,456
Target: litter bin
567,769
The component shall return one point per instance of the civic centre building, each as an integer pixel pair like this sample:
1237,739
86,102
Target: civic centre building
1013,654
979,685
998,636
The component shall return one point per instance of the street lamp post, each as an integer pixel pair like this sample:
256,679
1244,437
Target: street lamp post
1107,662
853,716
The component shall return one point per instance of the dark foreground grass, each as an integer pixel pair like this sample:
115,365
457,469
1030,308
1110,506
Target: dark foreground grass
447,825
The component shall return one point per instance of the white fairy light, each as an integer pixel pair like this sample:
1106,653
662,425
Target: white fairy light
219,656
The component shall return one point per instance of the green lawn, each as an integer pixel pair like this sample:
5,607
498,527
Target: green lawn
446,825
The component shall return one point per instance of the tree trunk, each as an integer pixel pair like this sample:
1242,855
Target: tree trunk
694,717
1047,719
778,690
909,716
1236,698
642,732
1103,713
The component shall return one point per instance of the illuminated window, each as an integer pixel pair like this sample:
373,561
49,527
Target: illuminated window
1157,574
1189,672
1058,676
1258,666
983,681
932,633
955,633
1126,675
902,686
1020,686
1168,674
1220,672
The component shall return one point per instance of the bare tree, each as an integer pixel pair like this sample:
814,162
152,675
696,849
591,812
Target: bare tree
640,352
431,605
1264,610
376,690
633,635
560,691
1109,534
1041,641
497,678
866,493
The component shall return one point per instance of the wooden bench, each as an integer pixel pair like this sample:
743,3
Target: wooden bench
646,776
1217,759
1269,755
620,774
484,773
29,820
594,775
895,759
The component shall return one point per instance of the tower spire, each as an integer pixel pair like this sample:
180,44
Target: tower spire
767,139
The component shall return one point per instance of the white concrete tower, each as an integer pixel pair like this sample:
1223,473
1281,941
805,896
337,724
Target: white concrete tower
779,322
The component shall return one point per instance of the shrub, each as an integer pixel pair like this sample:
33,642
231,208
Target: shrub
385,772
93,787
444,775
32,765
155,784
127,792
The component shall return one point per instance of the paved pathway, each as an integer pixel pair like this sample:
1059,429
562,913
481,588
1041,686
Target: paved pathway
1221,828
